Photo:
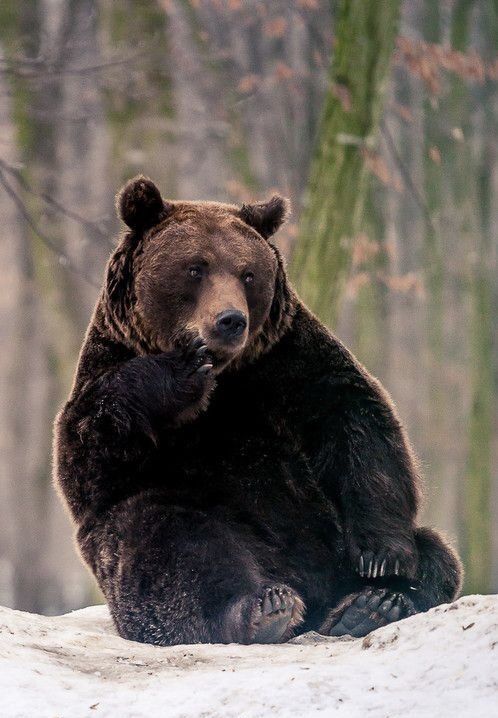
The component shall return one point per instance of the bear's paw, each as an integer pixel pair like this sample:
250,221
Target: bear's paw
269,616
360,613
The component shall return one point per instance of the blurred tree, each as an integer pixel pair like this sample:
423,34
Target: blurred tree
58,130
221,100
364,42
474,201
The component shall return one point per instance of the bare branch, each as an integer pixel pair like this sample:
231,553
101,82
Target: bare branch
21,67
403,169
63,257
91,225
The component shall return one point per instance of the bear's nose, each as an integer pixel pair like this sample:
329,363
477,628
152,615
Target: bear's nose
230,324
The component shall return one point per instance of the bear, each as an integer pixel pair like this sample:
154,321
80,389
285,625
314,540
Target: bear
233,472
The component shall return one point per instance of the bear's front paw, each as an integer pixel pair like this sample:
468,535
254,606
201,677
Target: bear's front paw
195,380
194,354
400,560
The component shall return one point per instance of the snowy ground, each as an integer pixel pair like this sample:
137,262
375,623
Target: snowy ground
444,663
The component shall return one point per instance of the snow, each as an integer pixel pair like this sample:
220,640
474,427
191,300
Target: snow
438,664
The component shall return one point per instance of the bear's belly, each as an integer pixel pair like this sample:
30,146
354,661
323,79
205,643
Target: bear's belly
250,480
248,469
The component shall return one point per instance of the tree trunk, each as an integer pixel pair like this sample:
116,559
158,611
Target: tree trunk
472,162
364,42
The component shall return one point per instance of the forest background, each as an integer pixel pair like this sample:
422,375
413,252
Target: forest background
377,119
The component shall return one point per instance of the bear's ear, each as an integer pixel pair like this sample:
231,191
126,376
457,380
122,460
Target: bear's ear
140,205
266,217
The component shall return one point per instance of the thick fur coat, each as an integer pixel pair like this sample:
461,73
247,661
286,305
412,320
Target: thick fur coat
233,472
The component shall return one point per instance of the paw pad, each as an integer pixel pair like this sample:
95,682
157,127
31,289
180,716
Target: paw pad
362,613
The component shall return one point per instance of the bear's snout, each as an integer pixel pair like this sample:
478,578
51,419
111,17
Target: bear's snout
230,325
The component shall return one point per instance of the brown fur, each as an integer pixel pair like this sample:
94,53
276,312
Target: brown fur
220,446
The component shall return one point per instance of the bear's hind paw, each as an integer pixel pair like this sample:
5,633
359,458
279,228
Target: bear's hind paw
274,615
361,613
268,617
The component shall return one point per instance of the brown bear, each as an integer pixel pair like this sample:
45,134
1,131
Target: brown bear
233,472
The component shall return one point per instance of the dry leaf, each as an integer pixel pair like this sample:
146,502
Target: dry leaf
308,4
364,250
409,283
283,71
343,95
356,282
248,83
378,166
275,27
435,155
402,111
426,60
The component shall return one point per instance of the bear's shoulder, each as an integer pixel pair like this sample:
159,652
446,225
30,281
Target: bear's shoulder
311,342
98,354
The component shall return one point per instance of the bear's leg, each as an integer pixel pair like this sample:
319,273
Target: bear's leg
181,576
392,598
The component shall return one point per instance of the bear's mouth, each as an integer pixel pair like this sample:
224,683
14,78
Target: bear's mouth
222,356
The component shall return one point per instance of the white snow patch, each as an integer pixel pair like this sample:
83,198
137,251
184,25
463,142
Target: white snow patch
438,664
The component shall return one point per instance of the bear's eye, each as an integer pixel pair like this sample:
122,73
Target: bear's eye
195,272
248,277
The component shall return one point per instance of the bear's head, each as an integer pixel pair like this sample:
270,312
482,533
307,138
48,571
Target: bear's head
200,267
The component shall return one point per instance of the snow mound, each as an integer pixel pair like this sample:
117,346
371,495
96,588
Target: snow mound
442,663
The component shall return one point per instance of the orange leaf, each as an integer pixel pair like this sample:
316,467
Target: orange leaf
283,71
308,4
275,27
248,83
378,166
343,95
364,250
435,155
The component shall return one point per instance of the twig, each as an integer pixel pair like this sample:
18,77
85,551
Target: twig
88,224
47,70
63,258
407,176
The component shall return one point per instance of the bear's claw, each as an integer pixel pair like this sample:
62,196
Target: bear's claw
274,615
265,617
196,355
372,565
204,363
362,613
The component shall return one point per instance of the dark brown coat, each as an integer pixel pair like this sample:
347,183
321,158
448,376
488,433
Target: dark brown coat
233,472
